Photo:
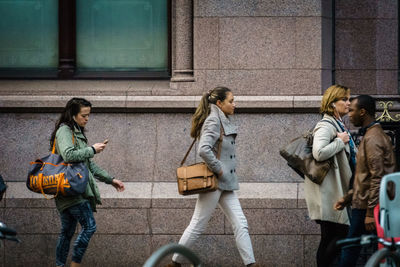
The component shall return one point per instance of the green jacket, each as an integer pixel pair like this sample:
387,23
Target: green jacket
72,146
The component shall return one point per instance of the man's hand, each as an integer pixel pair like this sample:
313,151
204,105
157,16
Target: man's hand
370,224
339,205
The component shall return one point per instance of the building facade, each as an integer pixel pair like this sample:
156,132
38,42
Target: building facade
278,57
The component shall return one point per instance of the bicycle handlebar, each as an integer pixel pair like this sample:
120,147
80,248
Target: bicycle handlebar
366,240
9,237
8,233
359,241
348,241
6,230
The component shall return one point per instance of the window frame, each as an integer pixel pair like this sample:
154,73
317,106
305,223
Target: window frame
67,54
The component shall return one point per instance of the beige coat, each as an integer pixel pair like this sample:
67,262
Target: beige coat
321,198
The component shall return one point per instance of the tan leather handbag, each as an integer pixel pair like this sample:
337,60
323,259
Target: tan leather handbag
197,178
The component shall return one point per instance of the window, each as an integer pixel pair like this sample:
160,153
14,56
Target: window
84,38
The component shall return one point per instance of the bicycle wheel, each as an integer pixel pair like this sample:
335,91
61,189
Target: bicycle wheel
384,257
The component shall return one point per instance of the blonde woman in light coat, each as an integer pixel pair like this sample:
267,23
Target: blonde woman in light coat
209,121
331,140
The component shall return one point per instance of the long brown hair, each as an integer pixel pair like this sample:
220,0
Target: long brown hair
203,110
72,108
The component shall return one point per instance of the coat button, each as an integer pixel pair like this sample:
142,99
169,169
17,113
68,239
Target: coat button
234,170
231,156
234,156
231,171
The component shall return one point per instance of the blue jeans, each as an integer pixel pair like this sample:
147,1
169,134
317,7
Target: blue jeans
349,256
83,214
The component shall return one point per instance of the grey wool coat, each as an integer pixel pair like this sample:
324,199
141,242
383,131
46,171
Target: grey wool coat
321,198
208,146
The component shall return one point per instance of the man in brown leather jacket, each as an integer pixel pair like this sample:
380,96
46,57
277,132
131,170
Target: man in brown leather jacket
375,158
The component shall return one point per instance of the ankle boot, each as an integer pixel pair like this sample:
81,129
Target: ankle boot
173,264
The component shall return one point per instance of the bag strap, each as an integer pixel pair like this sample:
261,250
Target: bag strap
334,125
59,186
53,150
219,146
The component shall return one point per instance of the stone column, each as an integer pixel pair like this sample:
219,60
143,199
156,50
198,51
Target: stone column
182,68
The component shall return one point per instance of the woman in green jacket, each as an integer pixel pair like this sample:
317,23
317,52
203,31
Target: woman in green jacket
71,144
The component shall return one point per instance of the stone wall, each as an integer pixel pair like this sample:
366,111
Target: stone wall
367,46
277,56
133,224
150,213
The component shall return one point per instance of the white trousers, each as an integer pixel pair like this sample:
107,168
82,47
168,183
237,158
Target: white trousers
230,205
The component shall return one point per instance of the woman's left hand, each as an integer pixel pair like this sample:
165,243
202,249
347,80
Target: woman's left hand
118,185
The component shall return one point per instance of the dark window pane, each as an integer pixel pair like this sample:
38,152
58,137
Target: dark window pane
29,34
122,35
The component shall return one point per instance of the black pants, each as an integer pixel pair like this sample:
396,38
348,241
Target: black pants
330,233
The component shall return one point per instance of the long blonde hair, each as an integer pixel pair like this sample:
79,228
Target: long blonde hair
203,110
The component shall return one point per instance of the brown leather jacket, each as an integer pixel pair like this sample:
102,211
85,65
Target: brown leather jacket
375,158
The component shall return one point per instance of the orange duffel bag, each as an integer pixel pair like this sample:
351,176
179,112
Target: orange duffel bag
51,175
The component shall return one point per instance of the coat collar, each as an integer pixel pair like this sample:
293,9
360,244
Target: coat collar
331,118
78,132
229,127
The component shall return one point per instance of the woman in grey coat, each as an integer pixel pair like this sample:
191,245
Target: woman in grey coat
209,122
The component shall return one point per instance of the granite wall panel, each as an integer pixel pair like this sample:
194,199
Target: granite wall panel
278,221
326,45
118,250
257,43
175,221
139,146
115,128
23,138
122,221
387,44
173,141
220,250
366,44
260,136
355,44
149,147
369,81
360,9
267,82
309,39
34,250
33,221
258,8
158,241
311,243
206,43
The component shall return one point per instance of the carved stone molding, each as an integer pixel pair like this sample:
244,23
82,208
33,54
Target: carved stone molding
182,52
